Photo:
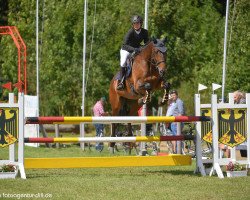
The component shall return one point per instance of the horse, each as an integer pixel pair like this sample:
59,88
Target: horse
147,75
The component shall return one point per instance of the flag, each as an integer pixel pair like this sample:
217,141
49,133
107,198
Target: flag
216,86
7,86
201,87
18,85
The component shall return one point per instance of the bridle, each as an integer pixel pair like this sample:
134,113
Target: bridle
154,62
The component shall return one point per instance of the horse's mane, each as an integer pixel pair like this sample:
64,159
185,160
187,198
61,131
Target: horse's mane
148,42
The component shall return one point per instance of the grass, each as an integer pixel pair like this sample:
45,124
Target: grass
119,183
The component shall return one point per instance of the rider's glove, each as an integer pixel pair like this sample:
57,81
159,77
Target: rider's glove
137,50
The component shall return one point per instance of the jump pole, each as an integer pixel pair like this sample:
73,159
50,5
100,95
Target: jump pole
108,139
113,119
101,162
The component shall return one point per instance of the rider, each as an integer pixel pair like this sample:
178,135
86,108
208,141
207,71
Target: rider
131,43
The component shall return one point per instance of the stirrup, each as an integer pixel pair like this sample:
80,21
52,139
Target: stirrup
120,86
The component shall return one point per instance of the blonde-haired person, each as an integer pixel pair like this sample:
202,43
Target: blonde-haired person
239,97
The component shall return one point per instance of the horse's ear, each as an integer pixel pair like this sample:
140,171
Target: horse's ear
164,40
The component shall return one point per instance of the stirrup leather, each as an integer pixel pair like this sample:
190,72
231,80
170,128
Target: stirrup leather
120,86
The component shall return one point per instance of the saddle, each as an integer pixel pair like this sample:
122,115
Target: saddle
129,64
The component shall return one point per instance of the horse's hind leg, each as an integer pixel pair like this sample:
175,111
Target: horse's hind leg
129,145
112,144
115,105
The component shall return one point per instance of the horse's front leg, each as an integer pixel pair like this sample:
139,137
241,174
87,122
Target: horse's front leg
166,88
147,96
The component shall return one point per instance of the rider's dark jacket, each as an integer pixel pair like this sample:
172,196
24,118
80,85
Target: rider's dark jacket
133,40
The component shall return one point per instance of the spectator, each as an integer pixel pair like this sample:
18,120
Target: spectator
175,108
239,97
98,111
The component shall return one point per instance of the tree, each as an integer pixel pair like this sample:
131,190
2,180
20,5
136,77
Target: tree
194,31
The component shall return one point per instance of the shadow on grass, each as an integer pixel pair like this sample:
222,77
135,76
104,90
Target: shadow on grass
108,172
173,172
64,173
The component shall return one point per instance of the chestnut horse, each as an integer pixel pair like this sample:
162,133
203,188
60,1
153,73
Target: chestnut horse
146,76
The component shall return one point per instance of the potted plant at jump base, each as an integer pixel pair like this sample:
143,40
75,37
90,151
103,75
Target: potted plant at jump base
8,171
234,169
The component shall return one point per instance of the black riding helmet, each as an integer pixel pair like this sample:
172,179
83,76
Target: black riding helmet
136,19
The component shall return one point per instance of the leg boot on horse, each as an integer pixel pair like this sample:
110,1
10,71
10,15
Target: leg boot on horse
120,85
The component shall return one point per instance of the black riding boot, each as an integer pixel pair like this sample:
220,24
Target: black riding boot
120,85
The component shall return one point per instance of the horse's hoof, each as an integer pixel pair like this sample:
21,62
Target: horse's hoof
154,153
144,153
128,150
147,86
148,100
166,85
164,101
140,101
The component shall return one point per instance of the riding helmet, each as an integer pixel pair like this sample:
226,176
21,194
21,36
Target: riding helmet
136,19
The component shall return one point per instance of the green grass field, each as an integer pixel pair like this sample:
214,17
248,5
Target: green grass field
118,183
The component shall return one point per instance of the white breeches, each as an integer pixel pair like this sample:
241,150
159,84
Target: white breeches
123,54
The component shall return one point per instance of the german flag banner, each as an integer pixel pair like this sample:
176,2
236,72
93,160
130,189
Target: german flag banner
8,126
232,126
206,127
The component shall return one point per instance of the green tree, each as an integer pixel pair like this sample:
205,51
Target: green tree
194,31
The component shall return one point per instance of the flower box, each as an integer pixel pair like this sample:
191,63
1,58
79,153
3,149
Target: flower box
236,173
8,171
234,169
4,175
